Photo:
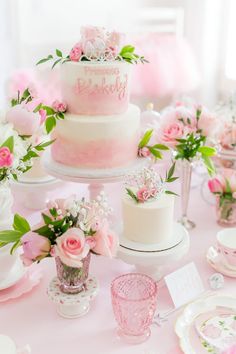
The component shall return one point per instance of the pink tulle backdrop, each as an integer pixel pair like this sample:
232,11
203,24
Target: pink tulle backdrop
172,68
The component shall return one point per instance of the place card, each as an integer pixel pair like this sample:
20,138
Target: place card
184,284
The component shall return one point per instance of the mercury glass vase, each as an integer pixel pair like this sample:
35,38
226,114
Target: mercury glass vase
185,180
225,212
72,280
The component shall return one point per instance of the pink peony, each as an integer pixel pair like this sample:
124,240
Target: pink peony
144,152
59,106
231,350
76,52
215,186
35,247
208,123
24,122
228,136
6,157
106,242
71,247
143,194
43,116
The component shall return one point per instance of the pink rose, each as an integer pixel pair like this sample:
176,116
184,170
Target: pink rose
106,242
71,247
143,194
59,106
92,32
43,116
35,247
76,52
6,157
144,152
228,136
215,186
208,123
90,240
231,350
24,122
212,332
172,132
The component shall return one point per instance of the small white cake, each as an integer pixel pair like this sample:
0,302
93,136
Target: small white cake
150,222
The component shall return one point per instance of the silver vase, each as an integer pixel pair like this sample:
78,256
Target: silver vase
185,180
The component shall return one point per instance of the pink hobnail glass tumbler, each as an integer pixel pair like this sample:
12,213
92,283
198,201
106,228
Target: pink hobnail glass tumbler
134,299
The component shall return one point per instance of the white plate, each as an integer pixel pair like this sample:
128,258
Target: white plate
185,326
16,273
214,259
178,236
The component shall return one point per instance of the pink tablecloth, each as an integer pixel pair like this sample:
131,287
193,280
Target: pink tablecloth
32,318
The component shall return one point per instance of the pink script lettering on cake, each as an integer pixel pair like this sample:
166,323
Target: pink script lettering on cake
88,87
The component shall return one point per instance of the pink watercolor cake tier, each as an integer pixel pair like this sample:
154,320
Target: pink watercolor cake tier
96,88
104,141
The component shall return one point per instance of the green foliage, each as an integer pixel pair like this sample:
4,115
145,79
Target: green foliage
146,138
132,195
9,143
9,236
56,60
21,224
154,149
127,54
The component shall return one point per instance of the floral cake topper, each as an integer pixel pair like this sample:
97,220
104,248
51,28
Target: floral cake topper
147,184
97,44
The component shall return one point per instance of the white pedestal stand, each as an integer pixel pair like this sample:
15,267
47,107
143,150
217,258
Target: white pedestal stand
72,305
153,263
33,194
95,178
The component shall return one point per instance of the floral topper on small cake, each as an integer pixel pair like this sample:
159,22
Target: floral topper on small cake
69,229
147,184
97,44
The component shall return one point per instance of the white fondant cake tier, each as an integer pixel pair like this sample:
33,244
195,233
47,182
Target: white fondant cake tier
95,88
97,141
149,222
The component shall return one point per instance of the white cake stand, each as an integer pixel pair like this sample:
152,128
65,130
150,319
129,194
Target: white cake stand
153,261
95,178
33,193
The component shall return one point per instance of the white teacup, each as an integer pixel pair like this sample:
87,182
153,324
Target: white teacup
226,242
7,261
8,346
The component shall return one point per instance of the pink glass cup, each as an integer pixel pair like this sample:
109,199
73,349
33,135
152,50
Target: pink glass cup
134,300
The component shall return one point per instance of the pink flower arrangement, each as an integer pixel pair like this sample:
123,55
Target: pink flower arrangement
6,157
227,136
69,229
147,184
97,43
223,183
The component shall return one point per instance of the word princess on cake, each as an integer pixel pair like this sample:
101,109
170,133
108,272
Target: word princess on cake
100,129
148,206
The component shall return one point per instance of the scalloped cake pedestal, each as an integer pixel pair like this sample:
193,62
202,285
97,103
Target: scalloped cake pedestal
73,305
95,178
152,261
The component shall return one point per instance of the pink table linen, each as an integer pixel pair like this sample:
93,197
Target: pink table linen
33,319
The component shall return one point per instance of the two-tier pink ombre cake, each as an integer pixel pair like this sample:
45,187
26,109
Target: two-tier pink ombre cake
100,129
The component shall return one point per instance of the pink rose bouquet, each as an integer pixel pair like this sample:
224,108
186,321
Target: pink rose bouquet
223,186
185,131
28,113
97,44
70,229
147,184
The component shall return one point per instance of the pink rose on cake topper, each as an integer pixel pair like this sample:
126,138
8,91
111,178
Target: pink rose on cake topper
59,106
143,194
6,157
76,52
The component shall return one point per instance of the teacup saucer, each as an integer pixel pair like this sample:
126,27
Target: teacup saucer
30,279
16,273
215,261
